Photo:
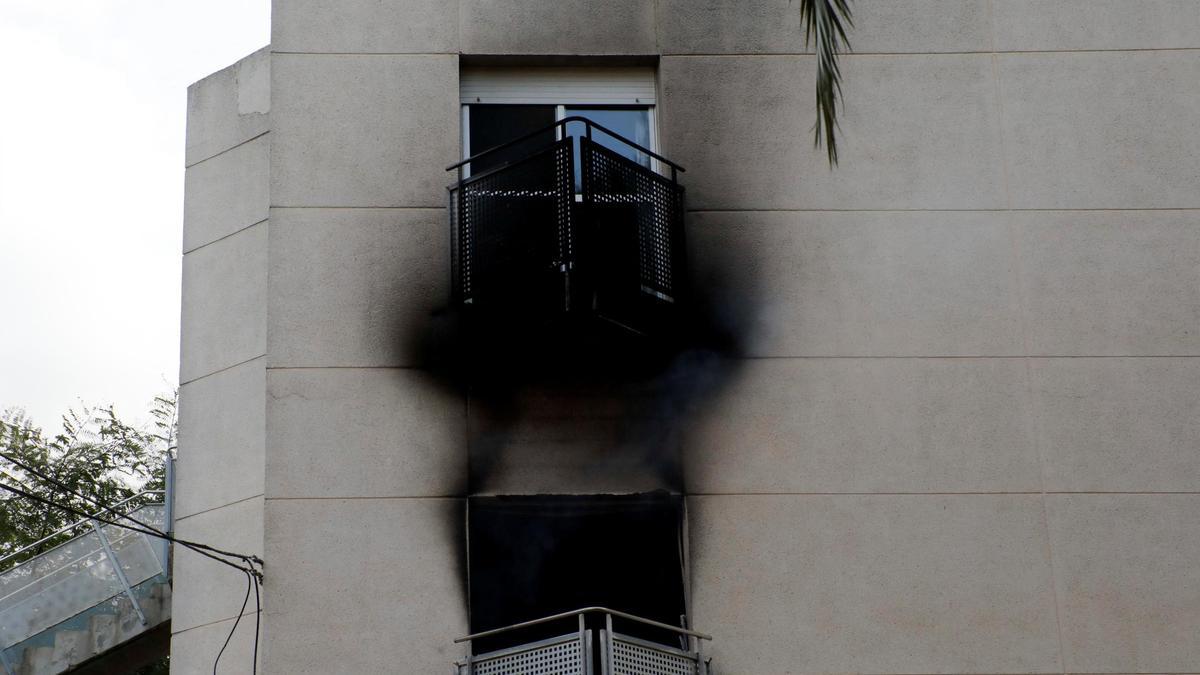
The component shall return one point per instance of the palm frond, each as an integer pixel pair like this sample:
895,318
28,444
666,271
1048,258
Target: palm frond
825,23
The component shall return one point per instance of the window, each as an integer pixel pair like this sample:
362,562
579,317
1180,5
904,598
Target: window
502,104
534,556
567,208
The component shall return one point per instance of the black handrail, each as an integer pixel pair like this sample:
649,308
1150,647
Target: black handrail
563,122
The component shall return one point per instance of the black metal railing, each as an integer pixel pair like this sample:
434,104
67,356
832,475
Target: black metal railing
527,241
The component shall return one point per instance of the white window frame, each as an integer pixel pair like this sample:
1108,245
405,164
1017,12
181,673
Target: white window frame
561,87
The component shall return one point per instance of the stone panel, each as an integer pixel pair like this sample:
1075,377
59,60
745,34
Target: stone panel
370,26
1101,129
874,584
1111,282
205,590
374,130
859,284
388,573
224,303
562,27
1037,25
229,107
356,287
194,650
919,132
1119,425
226,193
867,425
773,27
221,425
364,433
1128,581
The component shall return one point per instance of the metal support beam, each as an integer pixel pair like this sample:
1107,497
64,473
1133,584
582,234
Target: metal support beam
116,566
168,512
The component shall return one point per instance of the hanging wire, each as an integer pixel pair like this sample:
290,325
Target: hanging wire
146,529
235,624
253,575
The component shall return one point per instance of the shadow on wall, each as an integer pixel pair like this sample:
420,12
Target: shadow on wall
560,405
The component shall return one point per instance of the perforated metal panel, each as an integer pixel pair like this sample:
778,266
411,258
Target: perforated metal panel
558,656
510,225
635,657
619,191
524,245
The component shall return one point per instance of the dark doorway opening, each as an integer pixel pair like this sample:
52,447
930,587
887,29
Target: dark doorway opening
536,556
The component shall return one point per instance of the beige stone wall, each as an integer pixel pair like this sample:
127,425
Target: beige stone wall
222,374
965,435
960,432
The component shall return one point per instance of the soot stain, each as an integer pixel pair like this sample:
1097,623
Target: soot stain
648,389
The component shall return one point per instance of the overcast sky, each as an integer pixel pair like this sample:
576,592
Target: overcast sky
91,191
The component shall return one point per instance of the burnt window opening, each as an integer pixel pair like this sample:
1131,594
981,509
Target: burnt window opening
532,557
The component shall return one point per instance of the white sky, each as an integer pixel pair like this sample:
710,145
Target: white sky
92,115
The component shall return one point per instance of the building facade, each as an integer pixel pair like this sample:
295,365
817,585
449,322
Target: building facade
953,424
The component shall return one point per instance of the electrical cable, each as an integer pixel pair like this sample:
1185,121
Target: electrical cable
192,545
235,623
253,576
257,618
157,532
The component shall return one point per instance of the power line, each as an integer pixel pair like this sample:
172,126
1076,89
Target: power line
196,546
192,545
235,625
253,575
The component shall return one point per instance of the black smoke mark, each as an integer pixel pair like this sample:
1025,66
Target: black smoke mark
616,404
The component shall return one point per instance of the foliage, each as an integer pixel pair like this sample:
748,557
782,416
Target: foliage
825,22
98,455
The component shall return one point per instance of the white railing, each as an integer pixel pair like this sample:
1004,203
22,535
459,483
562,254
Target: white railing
104,562
581,651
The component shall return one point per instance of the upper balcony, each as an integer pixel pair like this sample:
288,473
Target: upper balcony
569,228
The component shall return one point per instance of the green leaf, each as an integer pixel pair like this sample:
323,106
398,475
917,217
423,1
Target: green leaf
825,23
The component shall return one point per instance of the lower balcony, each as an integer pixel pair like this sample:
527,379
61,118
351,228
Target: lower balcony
598,650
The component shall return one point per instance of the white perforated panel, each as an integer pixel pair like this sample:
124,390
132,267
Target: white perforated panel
564,658
634,659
